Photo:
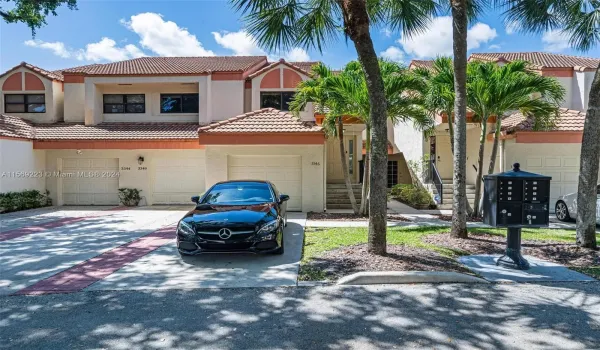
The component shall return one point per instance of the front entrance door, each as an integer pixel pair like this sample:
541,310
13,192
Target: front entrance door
334,163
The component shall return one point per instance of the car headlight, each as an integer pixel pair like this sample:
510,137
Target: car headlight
185,229
269,226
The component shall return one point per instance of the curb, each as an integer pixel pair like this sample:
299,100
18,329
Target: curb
403,277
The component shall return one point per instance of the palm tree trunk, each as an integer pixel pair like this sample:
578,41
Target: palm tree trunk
365,179
451,130
480,166
459,39
345,166
495,146
588,169
356,26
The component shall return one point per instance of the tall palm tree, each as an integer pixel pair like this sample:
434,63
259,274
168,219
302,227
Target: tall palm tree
493,90
314,90
282,24
346,94
580,19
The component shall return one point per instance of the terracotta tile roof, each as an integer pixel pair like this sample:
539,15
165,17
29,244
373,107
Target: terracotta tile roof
540,59
171,65
117,131
281,61
568,120
50,75
15,127
427,64
305,66
267,120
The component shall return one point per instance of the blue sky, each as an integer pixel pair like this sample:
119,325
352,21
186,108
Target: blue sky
104,31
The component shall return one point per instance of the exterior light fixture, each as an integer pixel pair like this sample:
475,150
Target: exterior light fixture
140,160
79,151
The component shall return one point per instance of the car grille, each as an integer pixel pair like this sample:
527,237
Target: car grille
225,247
236,234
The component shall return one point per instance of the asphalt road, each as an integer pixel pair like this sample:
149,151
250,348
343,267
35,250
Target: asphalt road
496,316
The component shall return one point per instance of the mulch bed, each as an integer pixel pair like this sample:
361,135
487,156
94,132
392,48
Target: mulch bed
349,217
559,252
449,218
351,259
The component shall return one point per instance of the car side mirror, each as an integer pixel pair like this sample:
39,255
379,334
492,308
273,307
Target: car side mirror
195,199
284,198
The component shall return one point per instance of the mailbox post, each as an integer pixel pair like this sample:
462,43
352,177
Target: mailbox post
516,199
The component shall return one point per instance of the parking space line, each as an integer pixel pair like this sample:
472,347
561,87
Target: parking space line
82,275
27,230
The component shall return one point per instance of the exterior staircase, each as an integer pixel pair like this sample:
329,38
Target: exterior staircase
447,189
337,196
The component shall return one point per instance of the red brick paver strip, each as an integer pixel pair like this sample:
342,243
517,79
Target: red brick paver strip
82,275
27,230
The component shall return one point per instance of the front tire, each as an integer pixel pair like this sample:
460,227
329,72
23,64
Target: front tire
562,212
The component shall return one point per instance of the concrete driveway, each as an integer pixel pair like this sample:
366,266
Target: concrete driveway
68,249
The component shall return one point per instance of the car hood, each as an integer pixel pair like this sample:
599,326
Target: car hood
231,216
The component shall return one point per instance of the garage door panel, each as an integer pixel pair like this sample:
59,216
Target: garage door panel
552,162
571,176
176,180
285,172
90,190
571,161
533,162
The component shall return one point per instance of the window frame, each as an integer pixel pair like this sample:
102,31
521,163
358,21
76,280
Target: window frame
181,94
124,103
281,103
25,103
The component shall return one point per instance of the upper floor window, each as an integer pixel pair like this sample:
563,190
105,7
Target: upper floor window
124,103
279,100
179,103
24,103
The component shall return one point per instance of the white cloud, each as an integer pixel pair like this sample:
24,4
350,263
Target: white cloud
555,41
296,55
58,48
494,47
104,50
244,44
393,53
165,38
386,31
241,43
437,39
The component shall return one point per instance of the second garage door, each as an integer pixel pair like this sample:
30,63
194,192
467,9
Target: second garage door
283,171
91,181
176,180
563,169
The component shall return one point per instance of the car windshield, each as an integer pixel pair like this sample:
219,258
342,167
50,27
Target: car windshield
236,193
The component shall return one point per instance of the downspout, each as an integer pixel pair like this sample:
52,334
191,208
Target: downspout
325,176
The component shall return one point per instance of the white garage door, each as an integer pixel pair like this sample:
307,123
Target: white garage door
283,171
176,180
564,171
91,181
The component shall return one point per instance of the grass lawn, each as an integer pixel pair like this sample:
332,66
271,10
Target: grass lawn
320,240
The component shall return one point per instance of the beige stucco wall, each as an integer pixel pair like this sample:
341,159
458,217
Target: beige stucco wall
133,178
53,96
312,167
74,102
227,99
152,87
21,167
410,141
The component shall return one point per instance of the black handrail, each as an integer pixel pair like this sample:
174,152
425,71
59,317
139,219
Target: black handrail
436,179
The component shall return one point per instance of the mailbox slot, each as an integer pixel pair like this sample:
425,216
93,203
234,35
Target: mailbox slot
536,191
535,214
510,213
510,190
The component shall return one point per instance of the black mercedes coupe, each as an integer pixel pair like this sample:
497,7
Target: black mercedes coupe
235,216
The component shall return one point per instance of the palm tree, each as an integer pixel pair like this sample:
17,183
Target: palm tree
279,24
314,90
460,13
346,94
581,21
493,90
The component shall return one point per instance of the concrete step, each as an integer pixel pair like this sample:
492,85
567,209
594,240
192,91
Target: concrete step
342,186
341,201
470,196
339,206
343,192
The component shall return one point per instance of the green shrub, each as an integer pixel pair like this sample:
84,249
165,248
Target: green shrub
412,195
29,199
130,196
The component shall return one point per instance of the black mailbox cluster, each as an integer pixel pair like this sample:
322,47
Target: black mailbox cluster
516,199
